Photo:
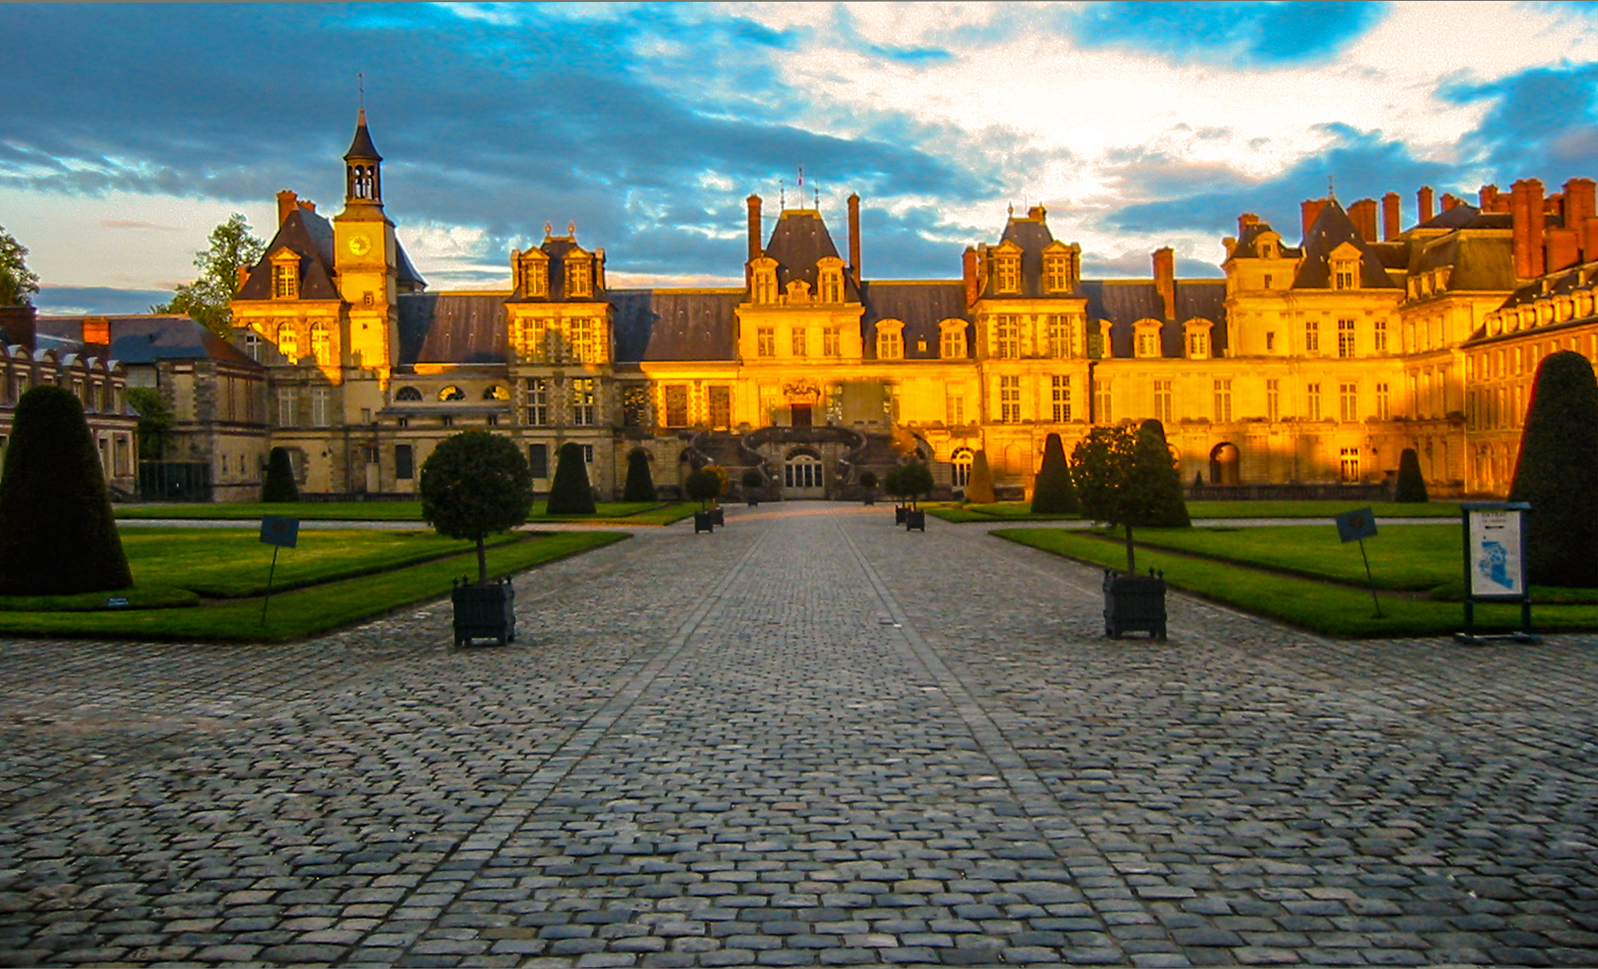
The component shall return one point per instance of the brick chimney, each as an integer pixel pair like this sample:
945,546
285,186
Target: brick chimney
1309,211
1449,201
968,275
754,238
1581,205
1390,217
307,205
1488,198
19,326
854,237
97,331
1363,215
1423,200
1244,221
1526,204
1562,250
1165,279
286,203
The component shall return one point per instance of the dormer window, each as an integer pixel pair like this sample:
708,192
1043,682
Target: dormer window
1146,339
579,276
764,281
890,340
952,342
286,275
532,274
1056,273
1007,273
1196,333
829,285
1267,250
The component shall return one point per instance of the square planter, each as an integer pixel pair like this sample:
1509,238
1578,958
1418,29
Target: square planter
704,521
484,612
718,516
870,499
915,520
754,502
1134,603
899,513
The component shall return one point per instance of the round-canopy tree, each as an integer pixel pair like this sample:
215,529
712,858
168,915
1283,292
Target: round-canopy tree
279,485
915,480
752,480
703,486
979,490
1125,476
569,493
640,480
1053,494
476,484
1411,486
1557,473
57,534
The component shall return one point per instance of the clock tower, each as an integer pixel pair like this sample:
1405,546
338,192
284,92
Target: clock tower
365,259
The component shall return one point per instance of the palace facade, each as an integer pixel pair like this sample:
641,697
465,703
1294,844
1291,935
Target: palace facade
1313,362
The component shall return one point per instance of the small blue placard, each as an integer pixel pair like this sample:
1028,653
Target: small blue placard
280,530
1355,525
117,602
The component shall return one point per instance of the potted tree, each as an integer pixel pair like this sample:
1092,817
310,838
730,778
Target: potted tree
1125,476
473,485
868,483
753,481
893,484
703,486
723,481
915,480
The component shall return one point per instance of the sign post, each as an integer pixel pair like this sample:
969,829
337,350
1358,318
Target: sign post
1356,526
1495,564
279,532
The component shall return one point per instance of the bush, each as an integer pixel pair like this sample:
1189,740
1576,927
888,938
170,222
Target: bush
979,490
753,479
868,480
1411,486
722,474
279,485
569,493
640,481
1053,493
1557,473
1125,476
1198,479
57,534
893,482
476,484
703,485
915,480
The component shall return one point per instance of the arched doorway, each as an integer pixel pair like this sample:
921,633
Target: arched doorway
960,467
1224,461
803,476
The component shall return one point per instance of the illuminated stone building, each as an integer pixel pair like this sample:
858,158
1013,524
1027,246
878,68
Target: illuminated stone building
1313,363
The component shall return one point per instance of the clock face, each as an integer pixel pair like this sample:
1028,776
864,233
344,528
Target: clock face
360,245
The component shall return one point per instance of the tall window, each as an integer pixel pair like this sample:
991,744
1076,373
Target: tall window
404,462
1223,401
1312,336
1312,402
584,340
953,342
583,401
1273,400
954,407
831,286
1101,403
1349,459
799,348
677,405
537,401
765,341
960,467
1345,338
1148,343
1061,333
287,406
1006,337
1009,399
1198,344
1343,273
285,280
890,343
1379,336
634,405
1007,274
538,460
832,342
288,342
1060,395
1348,401
719,400
319,407
1057,273
579,278
321,346
1162,401
252,345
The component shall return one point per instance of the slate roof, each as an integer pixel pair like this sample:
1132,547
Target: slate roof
143,339
453,328
1465,216
1032,235
1479,262
1248,242
557,249
798,241
311,236
1332,228
921,306
361,147
404,271
675,324
1124,302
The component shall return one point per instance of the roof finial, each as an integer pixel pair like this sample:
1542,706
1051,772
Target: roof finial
1012,210
360,82
782,195
1329,193
549,230
818,197
571,229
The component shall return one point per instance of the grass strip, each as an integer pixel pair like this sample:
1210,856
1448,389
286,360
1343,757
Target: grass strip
1020,511
308,611
1322,607
606,512
1403,558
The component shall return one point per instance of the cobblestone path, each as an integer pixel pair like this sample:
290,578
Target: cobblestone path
809,739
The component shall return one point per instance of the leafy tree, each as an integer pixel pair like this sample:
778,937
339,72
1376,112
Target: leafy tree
1411,485
570,493
57,534
156,422
915,480
753,480
1053,493
279,485
207,299
1557,473
868,480
476,484
640,480
704,486
979,490
1125,476
893,483
17,283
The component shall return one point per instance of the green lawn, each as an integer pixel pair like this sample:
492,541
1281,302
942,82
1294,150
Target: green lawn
344,586
607,512
1332,608
1018,511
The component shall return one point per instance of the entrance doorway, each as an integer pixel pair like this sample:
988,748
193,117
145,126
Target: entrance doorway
801,415
803,476
1224,461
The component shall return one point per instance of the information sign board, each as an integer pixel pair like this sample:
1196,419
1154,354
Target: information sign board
1496,568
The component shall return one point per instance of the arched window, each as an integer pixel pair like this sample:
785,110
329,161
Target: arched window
803,471
408,393
288,342
497,392
321,346
452,393
960,467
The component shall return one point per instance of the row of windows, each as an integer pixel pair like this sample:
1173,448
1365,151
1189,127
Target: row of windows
452,393
577,339
1059,402
533,275
1060,271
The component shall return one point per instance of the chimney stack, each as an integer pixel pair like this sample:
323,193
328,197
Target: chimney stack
1527,207
854,237
1309,211
1489,198
968,275
1581,206
19,326
1165,279
1390,216
1423,199
1363,215
286,203
1244,221
754,238
1449,201
97,331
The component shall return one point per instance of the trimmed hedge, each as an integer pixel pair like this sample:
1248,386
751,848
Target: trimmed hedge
1557,473
640,480
57,533
279,485
569,493
979,490
1411,487
1053,493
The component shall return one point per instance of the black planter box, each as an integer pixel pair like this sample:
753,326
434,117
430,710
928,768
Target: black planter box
915,520
870,500
1134,603
718,516
754,502
899,513
704,521
484,612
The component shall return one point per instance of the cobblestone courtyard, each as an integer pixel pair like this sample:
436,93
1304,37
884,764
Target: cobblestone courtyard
809,739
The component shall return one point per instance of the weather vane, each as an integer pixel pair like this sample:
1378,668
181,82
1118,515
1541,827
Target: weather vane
360,81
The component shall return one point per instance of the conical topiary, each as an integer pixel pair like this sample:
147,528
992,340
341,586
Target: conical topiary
979,490
569,493
279,485
57,534
1053,493
1557,473
640,480
1411,486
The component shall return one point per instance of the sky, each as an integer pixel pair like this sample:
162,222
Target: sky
133,130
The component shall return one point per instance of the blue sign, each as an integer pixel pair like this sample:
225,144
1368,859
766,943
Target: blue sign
279,530
1355,525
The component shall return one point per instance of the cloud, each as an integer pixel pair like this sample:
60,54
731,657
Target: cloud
1541,122
1226,33
137,224
97,300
